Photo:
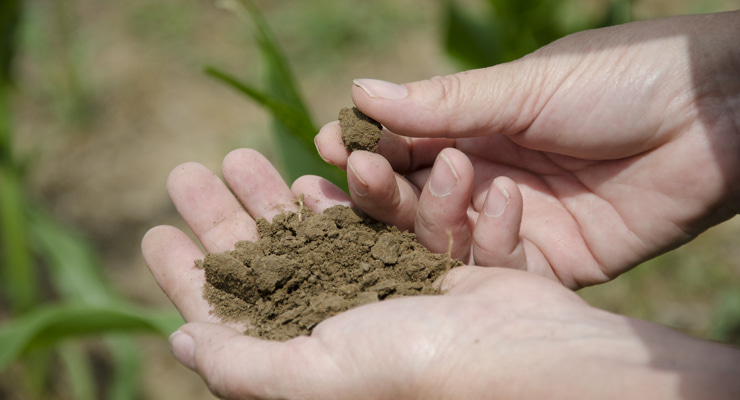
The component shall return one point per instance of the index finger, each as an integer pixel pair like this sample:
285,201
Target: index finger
405,154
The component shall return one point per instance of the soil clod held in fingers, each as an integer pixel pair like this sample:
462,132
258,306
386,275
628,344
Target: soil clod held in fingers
359,131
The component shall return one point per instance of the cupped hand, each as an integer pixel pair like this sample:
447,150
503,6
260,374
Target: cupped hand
497,333
623,142
401,348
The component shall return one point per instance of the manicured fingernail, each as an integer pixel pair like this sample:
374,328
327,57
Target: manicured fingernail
357,185
444,177
382,89
182,346
496,201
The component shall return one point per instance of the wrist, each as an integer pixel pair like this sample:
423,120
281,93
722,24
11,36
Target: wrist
639,359
599,355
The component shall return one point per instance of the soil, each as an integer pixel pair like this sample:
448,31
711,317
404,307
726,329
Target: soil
359,131
307,267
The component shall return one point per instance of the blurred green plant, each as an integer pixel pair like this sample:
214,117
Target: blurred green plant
292,124
52,287
505,30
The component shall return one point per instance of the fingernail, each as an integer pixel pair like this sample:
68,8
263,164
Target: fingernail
382,89
357,185
496,201
444,177
182,347
315,143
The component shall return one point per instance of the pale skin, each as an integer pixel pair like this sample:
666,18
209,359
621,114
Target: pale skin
623,142
497,332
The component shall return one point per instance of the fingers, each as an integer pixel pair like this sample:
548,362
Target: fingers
496,241
404,154
379,192
171,255
257,184
319,194
209,208
238,366
492,100
330,145
442,222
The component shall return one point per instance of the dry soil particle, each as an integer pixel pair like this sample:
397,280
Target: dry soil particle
307,267
359,131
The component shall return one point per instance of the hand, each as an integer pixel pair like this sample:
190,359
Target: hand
623,141
497,333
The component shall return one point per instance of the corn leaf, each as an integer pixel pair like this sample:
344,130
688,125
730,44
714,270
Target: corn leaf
78,370
10,15
297,160
70,259
293,127
511,28
126,375
282,83
468,40
294,118
49,324
18,274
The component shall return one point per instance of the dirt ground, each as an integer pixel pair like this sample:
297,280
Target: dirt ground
112,97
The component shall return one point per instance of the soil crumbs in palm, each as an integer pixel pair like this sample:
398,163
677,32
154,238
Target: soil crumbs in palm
307,267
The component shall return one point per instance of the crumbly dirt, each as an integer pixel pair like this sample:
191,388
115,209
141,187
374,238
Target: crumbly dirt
359,131
307,267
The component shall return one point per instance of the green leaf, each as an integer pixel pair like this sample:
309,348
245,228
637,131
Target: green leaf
726,319
10,15
293,128
78,370
618,12
281,81
127,372
17,270
294,119
71,261
49,324
472,42
298,160
295,142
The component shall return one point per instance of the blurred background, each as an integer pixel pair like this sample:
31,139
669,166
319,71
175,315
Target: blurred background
105,98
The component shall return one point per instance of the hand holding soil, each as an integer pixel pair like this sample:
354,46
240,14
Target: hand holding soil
595,165
307,267
407,345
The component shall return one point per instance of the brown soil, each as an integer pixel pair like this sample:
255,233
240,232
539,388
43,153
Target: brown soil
359,131
307,267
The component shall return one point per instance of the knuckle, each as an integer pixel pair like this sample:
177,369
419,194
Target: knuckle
449,89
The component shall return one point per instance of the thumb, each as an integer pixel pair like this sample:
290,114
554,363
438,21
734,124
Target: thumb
466,104
234,365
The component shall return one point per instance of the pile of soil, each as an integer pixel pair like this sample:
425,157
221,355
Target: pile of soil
359,131
307,267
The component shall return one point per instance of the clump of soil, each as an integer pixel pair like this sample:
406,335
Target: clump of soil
307,267
359,131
